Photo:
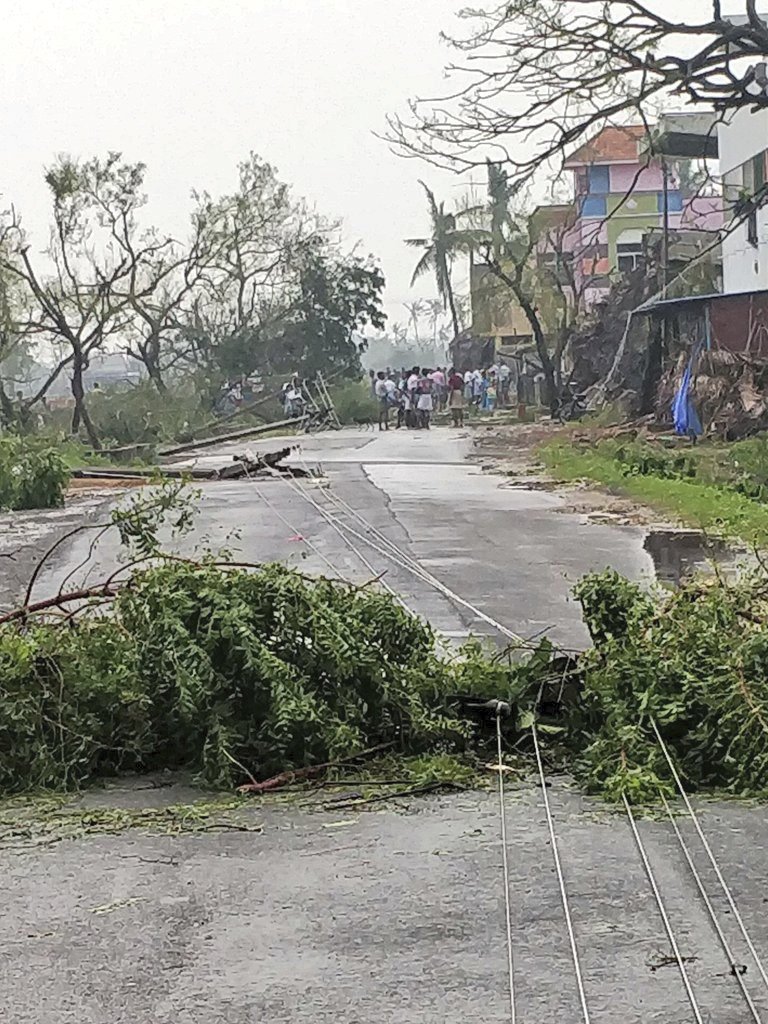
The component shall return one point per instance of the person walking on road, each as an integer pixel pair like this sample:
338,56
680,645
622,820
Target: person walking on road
411,385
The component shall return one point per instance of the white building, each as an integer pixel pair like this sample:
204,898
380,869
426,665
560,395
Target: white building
743,151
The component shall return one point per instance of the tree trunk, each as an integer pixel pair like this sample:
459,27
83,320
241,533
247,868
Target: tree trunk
7,412
156,377
151,354
452,307
80,413
550,367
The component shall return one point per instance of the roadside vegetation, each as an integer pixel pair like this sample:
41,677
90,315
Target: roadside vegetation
259,286
719,488
33,474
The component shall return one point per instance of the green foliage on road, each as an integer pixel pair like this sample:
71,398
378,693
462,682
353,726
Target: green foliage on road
720,488
33,474
231,673
695,661
200,667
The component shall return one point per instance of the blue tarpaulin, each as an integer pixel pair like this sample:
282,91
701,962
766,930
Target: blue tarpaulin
684,414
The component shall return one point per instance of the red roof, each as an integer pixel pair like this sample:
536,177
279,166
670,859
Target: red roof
611,145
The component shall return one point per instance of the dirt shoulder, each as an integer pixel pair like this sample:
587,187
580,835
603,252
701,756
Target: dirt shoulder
510,450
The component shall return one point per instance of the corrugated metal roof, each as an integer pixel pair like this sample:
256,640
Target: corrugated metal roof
665,304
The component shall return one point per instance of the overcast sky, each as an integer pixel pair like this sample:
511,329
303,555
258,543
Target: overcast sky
191,86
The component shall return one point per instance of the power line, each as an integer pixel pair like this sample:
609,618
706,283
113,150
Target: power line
561,879
505,869
662,910
723,884
711,910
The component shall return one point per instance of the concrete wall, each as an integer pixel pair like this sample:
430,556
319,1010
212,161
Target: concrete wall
745,266
740,324
744,135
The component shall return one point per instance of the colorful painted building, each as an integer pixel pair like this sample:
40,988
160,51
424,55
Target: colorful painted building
616,215
620,196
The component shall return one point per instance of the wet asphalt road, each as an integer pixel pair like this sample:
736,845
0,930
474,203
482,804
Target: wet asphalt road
513,553
394,916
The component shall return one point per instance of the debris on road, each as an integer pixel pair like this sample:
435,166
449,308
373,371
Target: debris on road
242,466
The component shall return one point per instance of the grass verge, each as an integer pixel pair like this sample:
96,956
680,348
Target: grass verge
711,507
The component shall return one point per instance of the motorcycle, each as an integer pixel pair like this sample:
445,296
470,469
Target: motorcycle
570,404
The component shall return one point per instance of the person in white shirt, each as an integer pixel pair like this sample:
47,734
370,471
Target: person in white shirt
504,380
411,385
385,392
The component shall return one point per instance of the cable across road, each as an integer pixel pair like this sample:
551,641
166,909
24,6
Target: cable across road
505,869
561,879
662,910
708,849
386,548
737,974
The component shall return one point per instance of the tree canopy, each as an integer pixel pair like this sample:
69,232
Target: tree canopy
533,80
261,282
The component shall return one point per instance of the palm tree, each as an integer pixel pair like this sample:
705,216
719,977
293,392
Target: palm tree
446,241
499,194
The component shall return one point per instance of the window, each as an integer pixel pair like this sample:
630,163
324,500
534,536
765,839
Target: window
598,180
629,261
758,170
594,206
559,265
674,201
629,251
752,227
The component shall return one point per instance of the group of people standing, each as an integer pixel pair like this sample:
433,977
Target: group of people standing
413,395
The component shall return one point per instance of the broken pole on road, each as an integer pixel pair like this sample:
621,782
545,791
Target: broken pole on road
210,442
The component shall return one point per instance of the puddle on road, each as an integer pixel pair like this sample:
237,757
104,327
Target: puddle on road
678,554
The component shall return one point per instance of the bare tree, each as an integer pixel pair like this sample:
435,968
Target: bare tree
80,289
538,78
532,256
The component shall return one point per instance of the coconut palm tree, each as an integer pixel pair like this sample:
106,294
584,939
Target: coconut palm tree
446,241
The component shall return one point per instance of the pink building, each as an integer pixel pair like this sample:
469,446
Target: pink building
620,197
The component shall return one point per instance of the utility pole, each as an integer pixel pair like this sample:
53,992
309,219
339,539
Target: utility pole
665,236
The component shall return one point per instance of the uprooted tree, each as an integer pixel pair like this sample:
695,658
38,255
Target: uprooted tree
534,80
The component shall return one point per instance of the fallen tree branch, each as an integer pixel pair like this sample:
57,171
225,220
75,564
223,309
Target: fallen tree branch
210,442
57,544
300,774
102,590
427,787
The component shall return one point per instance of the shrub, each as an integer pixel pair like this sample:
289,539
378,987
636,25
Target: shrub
353,401
269,668
695,661
32,474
